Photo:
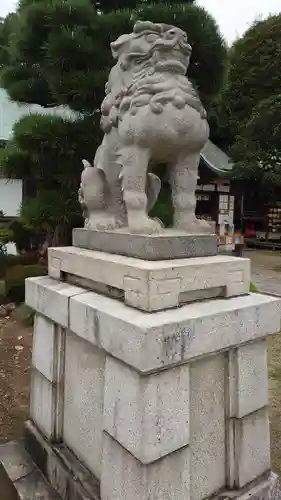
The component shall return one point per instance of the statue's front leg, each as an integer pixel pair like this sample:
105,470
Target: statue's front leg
134,178
183,180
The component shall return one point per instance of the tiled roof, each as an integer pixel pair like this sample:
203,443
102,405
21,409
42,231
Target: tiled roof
216,159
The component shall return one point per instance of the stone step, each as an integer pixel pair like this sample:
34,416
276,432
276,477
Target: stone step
20,479
148,285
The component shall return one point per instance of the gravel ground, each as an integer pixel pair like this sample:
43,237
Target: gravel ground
266,270
15,355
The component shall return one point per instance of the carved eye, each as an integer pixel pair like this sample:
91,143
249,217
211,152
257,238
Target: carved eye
151,38
171,33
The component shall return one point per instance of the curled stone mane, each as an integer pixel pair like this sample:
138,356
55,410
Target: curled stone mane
151,64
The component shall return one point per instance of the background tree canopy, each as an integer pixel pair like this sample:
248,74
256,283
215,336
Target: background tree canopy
253,74
253,106
245,118
59,54
108,5
254,70
6,31
257,151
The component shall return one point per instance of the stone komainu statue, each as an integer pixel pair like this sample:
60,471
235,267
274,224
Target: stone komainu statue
151,115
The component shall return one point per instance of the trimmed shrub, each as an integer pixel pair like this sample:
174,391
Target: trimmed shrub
24,314
15,280
7,261
2,292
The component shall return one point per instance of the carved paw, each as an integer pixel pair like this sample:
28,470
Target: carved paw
193,225
103,222
145,225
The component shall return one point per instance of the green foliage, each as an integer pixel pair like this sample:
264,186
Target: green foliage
163,208
5,237
61,51
2,291
247,115
15,280
8,261
48,150
254,71
220,133
109,5
257,151
3,263
253,288
22,236
6,32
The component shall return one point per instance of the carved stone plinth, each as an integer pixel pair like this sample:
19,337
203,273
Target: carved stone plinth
132,404
172,404
170,244
149,285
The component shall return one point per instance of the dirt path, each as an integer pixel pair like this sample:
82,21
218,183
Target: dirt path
15,355
266,270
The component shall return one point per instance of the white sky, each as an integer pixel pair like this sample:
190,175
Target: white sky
233,16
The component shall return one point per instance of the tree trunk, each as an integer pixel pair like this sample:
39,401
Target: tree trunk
58,237
62,235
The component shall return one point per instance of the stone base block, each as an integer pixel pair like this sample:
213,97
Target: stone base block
43,396
64,472
19,477
8,489
32,469
160,405
151,286
171,244
149,342
252,446
248,379
124,477
83,401
207,426
265,488
147,415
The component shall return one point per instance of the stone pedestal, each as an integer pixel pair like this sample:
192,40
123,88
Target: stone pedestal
149,379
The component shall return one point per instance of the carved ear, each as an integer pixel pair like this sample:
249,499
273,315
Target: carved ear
118,45
86,164
141,26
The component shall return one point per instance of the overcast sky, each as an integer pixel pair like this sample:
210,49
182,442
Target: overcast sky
233,16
